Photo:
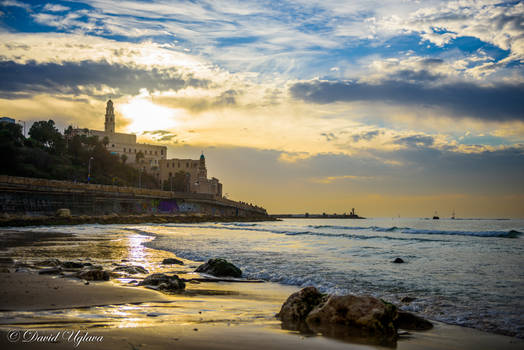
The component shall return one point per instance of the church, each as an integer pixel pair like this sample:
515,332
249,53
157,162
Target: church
152,158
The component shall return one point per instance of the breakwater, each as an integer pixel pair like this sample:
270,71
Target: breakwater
32,196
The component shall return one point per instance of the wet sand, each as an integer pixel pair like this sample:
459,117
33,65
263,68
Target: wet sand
207,315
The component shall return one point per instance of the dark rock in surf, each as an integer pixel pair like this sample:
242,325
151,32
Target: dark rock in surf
408,300
132,270
411,322
160,281
220,268
398,261
171,261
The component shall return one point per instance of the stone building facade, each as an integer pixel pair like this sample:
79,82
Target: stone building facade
120,144
196,171
154,160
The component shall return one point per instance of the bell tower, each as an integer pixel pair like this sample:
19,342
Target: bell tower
110,118
202,171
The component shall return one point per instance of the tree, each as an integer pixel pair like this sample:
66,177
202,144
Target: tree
123,158
105,141
48,136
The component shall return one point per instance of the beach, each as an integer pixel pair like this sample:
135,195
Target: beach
118,314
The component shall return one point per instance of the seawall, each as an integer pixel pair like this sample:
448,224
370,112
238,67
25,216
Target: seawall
32,196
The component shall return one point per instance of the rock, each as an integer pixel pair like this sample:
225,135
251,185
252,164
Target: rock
411,322
49,262
220,268
50,271
163,282
132,270
398,261
93,275
359,314
72,265
63,213
299,304
171,261
408,299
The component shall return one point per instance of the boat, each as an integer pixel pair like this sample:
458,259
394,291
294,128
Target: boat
435,217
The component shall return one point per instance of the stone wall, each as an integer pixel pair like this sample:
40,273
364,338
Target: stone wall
20,195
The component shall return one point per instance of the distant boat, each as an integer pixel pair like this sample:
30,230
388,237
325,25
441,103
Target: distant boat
435,217
453,215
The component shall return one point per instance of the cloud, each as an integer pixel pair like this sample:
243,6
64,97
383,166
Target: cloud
495,103
55,8
20,80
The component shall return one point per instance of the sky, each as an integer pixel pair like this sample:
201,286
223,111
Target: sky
392,107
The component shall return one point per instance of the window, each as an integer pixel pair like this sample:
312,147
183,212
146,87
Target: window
167,165
187,165
124,150
162,152
156,153
135,150
113,145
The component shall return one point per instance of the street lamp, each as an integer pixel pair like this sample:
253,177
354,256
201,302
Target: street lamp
89,169
139,177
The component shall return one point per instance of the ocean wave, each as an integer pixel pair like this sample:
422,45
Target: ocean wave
506,234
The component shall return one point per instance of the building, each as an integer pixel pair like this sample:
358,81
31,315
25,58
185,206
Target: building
153,158
195,171
125,144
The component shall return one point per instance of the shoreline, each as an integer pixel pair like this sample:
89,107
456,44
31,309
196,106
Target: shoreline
25,220
225,315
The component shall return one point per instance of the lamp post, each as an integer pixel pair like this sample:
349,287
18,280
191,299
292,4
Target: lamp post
139,177
171,180
89,169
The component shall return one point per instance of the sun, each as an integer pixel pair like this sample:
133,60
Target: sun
144,115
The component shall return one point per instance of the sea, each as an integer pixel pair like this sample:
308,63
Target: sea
467,272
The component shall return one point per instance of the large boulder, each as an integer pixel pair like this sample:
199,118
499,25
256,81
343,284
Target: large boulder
298,305
411,322
363,313
72,265
220,268
160,281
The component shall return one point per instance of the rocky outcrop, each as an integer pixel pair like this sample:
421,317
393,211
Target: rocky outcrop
298,305
363,313
132,270
172,261
398,261
49,262
219,268
363,317
411,322
160,281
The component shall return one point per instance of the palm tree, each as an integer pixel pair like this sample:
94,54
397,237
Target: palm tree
124,158
139,157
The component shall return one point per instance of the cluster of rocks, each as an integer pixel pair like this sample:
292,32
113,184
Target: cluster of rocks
308,310
160,281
